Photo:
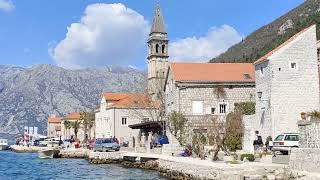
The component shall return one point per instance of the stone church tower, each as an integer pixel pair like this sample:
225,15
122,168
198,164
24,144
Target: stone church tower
157,55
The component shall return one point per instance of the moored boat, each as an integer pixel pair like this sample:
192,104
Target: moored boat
3,144
46,154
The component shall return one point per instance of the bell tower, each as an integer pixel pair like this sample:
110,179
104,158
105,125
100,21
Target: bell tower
157,55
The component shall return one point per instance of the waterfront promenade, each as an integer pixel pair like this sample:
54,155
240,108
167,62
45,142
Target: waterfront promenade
187,167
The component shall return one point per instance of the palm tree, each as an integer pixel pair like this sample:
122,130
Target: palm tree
67,126
88,119
84,120
76,126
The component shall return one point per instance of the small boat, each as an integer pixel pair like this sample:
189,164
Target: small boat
3,144
46,154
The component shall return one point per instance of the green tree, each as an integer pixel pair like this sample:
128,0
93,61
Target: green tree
234,131
177,123
67,126
88,121
76,126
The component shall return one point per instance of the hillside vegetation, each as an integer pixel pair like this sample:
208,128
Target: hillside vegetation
272,35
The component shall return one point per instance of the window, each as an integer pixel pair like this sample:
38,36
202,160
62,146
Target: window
222,108
124,121
163,49
293,65
291,138
278,138
213,110
261,70
157,48
197,107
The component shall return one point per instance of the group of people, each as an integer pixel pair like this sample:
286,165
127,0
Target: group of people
258,143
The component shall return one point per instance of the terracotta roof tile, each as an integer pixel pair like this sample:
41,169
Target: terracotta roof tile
265,57
129,100
213,72
72,116
54,120
110,96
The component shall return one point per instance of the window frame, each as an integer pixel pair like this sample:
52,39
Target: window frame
296,65
126,121
193,109
226,108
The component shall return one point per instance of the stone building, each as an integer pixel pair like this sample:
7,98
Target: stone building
157,55
318,50
54,127
201,89
287,83
118,111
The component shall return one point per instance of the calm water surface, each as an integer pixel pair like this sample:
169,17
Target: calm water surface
29,166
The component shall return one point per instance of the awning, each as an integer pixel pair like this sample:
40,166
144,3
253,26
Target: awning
148,125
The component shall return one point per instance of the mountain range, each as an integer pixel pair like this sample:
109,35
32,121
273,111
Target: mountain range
28,96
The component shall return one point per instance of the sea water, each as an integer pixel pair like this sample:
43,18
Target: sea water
28,166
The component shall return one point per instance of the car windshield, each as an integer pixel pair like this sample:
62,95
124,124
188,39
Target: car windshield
278,138
100,141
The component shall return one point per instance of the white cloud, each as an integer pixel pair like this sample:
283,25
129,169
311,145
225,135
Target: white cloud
6,5
202,49
107,34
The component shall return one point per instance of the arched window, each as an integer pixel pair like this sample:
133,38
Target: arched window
163,48
157,48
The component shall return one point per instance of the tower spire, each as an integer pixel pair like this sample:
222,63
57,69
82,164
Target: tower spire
158,23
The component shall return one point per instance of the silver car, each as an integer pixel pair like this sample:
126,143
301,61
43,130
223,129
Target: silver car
105,145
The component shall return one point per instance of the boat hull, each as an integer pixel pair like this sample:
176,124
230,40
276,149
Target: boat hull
46,154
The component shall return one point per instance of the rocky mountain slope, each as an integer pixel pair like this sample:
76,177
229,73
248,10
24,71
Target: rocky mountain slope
29,95
272,35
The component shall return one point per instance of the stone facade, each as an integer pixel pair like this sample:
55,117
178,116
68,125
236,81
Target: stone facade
110,121
318,50
180,97
157,55
307,156
288,83
54,129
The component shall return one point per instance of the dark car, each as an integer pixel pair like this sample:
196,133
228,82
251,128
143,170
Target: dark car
105,145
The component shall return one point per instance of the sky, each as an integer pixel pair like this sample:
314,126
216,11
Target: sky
77,34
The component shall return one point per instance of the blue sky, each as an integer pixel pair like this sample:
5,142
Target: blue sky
36,31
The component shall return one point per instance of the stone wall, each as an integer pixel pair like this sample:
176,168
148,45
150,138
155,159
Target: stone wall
291,90
306,159
309,134
307,156
250,127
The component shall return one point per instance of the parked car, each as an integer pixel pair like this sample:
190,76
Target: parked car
106,144
284,142
66,143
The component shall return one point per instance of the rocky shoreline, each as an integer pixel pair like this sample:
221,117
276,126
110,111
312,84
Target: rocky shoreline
185,168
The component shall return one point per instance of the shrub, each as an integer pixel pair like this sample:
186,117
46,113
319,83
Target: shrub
315,115
245,108
234,131
250,157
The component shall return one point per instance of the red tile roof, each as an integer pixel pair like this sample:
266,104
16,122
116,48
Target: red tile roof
213,72
54,120
265,57
128,100
72,116
110,96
